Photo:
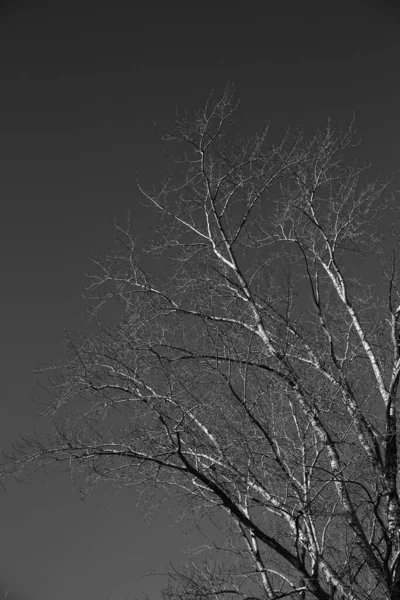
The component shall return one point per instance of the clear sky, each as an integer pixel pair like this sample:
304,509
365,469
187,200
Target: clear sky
81,83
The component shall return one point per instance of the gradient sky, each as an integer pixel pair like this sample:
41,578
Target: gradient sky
81,84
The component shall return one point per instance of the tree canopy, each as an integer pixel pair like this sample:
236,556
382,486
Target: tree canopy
252,365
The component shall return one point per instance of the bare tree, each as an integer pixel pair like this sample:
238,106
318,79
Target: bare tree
254,367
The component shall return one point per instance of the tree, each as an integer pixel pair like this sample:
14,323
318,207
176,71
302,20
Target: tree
255,372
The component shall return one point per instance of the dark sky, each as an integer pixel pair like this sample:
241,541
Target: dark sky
80,86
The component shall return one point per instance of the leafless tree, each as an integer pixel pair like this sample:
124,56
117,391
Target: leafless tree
252,366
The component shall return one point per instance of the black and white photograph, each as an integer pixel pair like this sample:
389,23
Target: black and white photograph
200,307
